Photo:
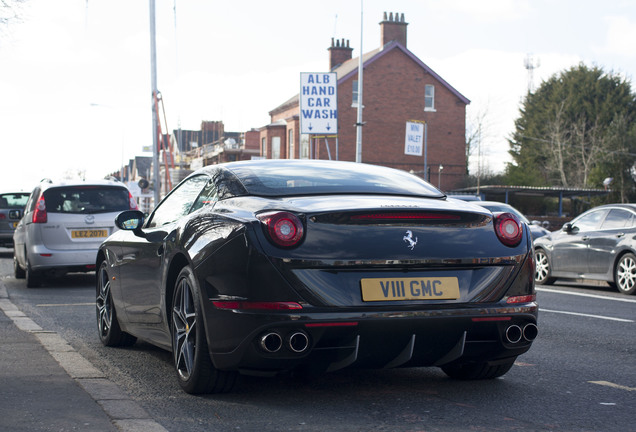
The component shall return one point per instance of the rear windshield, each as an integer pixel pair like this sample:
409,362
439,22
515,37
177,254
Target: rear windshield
13,200
86,199
279,178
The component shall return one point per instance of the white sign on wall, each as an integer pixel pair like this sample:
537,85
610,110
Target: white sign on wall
414,138
318,103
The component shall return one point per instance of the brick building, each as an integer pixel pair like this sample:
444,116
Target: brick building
397,87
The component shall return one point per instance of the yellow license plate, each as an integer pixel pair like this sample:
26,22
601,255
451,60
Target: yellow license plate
89,233
388,289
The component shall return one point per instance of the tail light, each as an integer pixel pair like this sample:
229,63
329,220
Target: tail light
508,228
39,214
283,228
132,202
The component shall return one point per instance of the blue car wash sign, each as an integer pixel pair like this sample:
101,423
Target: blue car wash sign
318,103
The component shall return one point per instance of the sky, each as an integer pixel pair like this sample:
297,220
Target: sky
75,75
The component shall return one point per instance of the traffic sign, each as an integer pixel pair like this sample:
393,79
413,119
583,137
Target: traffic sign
318,103
413,139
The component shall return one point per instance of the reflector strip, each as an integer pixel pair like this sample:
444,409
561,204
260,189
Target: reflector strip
333,324
257,305
522,299
491,319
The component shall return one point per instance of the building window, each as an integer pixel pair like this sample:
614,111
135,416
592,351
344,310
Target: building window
275,147
290,144
429,98
354,92
304,146
264,147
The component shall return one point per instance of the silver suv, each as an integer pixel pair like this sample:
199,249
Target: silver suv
63,226
11,208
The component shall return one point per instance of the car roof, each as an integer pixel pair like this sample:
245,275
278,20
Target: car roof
46,183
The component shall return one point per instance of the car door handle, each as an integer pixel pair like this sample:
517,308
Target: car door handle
160,250
619,235
585,238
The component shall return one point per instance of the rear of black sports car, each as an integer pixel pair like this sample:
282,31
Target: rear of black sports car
328,282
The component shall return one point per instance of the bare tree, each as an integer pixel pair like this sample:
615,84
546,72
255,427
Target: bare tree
559,139
9,11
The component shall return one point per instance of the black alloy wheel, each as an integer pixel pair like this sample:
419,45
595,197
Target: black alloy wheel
18,271
193,365
107,325
33,278
542,268
625,274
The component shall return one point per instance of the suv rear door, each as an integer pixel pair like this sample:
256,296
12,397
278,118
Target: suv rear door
81,217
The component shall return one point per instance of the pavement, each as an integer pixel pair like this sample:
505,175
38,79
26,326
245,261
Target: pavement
45,385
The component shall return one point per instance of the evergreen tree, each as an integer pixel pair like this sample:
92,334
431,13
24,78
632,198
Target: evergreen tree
576,130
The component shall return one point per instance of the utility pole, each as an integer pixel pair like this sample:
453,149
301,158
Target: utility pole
359,123
155,118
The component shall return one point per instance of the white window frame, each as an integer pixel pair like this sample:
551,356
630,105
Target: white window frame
429,97
275,147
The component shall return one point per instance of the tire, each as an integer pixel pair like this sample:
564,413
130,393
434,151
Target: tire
33,278
477,371
542,268
107,324
625,274
18,271
192,362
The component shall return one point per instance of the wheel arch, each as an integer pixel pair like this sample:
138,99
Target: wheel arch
177,264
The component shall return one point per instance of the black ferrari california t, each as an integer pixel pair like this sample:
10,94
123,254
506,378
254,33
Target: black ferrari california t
261,267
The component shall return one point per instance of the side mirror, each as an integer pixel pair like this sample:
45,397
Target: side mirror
567,227
130,220
133,220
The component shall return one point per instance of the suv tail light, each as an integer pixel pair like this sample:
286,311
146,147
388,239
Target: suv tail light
39,214
132,202
508,228
283,228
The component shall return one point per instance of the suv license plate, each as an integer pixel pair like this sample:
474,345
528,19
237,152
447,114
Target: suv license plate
76,234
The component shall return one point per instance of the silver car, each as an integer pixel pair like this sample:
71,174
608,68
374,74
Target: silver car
11,209
63,226
600,244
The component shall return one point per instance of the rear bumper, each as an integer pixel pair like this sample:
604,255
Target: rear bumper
42,258
376,339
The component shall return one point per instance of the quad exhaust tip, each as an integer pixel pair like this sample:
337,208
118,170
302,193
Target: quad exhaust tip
272,342
298,342
514,333
530,332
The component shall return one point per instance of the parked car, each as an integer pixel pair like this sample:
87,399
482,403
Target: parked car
600,244
495,206
11,209
279,265
63,226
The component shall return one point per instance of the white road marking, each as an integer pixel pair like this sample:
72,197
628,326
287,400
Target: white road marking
64,304
611,384
556,291
587,315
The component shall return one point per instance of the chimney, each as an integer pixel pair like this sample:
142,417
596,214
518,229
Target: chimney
338,53
393,28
